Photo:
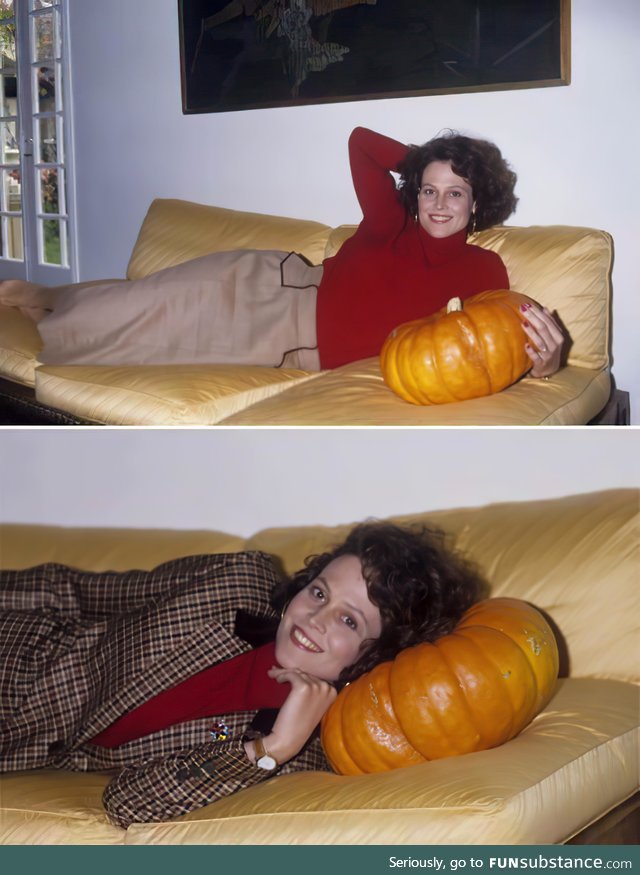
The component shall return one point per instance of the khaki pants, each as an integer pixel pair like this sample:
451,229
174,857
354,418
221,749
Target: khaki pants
248,307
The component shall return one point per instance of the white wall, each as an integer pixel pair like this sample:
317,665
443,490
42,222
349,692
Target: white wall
574,148
240,481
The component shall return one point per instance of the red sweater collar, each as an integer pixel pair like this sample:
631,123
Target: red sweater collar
438,250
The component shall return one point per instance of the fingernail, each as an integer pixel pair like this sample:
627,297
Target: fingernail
525,307
525,323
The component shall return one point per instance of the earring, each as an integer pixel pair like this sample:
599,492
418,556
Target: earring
473,221
284,609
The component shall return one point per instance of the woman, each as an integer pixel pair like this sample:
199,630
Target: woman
150,671
410,252
408,256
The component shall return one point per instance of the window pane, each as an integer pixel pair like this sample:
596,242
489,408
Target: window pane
45,89
42,4
48,141
49,192
8,94
7,40
44,48
11,238
15,248
51,245
8,143
11,191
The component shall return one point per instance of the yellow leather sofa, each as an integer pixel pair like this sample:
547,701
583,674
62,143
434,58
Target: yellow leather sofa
571,775
567,269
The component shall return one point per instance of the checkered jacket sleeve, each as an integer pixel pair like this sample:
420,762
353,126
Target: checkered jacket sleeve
92,596
168,787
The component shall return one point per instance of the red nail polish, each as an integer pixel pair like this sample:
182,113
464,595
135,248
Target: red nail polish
525,323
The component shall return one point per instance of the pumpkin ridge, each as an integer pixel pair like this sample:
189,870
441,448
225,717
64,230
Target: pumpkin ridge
459,327
506,353
415,352
428,732
495,343
474,349
440,389
479,658
470,715
365,742
487,656
509,347
513,616
408,347
333,732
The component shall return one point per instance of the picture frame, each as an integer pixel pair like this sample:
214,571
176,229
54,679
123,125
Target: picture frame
256,54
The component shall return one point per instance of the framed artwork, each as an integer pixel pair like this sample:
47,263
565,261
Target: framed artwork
252,54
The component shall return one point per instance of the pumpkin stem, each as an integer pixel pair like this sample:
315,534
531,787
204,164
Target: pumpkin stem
454,305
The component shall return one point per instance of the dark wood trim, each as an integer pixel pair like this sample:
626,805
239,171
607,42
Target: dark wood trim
617,410
621,826
18,406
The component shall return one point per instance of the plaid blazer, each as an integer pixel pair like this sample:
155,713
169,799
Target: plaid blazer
79,649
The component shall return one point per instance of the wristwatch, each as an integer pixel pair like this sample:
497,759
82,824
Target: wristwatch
264,760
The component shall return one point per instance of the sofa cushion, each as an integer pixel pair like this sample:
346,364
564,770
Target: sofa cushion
578,759
19,346
356,394
160,395
174,231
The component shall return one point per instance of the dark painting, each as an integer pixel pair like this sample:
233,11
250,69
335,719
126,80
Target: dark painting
248,54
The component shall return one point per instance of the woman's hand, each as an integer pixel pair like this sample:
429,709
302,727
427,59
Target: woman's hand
303,709
546,340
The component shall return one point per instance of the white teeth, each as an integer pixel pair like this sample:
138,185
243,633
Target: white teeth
297,634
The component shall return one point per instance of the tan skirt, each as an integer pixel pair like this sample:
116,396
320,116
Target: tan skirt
250,307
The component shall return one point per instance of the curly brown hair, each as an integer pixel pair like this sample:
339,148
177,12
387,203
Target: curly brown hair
479,162
420,585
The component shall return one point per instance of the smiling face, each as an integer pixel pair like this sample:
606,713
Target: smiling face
445,200
326,623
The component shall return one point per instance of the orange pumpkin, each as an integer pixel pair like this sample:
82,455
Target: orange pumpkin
470,690
467,350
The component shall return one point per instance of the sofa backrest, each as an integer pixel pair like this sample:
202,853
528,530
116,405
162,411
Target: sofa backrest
175,231
575,558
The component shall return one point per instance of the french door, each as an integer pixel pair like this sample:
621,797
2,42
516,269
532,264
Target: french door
36,219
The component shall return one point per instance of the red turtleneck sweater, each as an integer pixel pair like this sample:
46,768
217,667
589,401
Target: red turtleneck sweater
391,270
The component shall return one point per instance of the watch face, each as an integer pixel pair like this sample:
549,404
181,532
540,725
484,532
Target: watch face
266,762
